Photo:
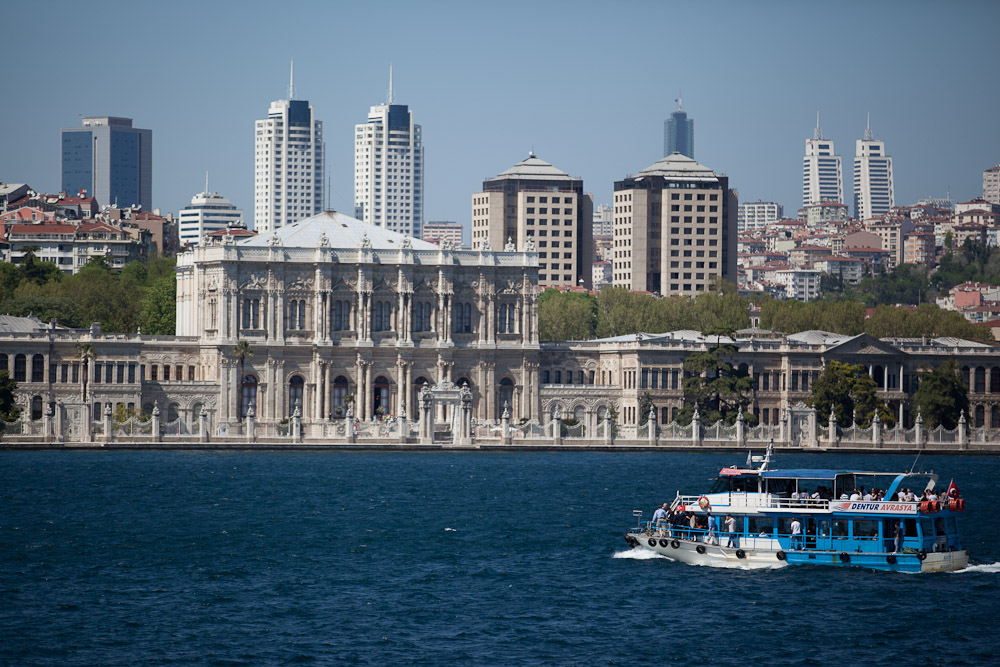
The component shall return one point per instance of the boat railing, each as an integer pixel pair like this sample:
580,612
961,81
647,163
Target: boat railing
806,504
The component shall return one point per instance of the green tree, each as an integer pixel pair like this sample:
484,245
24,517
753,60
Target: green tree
850,392
241,351
37,271
8,407
645,403
714,387
942,395
566,315
159,307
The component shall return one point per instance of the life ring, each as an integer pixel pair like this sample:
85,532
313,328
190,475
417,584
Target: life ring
922,554
890,559
704,503
651,542
700,548
845,557
781,555
664,542
740,553
675,544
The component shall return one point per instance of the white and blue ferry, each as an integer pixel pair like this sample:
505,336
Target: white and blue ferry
807,517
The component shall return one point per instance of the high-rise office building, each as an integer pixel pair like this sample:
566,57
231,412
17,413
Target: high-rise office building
289,162
533,201
111,160
604,218
389,168
678,133
991,185
208,212
822,172
439,231
674,229
873,188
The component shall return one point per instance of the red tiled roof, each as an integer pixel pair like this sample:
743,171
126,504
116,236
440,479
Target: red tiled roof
42,229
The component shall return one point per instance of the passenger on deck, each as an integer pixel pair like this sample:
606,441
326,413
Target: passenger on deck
844,496
931,494
908,496
796,534
712,536
897,536
734,538
868,496
660,519
855,495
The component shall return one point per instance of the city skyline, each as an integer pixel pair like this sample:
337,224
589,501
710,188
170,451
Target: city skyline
751,132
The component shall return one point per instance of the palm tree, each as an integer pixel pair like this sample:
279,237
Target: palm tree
241,351
86,352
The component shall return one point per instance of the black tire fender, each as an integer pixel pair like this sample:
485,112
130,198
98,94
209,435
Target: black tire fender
922,554
890,559
675,544
741,554
700,548
664,542
651,542
781,555
845,557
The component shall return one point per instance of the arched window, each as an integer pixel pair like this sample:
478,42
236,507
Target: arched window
980,380
173,411
36,408
3,362
994,380
381,396
503,318
147,409
38,368
995,417
295,386
249,395
467,318
579,413
421,316
302,314
505,396
340,389
338,316
980,417
196,411
378,316
20,368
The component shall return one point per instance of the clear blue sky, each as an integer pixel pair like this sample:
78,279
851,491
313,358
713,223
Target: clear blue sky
586,84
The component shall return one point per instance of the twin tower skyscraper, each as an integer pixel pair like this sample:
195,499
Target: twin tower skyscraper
822,174
290,164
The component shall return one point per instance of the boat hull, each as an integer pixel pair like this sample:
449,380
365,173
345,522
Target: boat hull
712,555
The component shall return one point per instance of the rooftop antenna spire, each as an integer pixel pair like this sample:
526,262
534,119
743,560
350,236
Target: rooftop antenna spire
206,181
817,133
291,80
680,100
390,84
868,130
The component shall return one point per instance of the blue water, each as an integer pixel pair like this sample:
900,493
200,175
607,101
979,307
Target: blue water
272,558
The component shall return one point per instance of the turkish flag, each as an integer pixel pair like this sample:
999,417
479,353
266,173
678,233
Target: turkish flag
952,490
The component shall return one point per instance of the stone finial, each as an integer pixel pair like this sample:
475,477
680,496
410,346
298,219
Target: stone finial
156,410
557,412
446,244
365,241
509,247
697,415
652,414
833,416
250,410
739,415
506,411
324,240
530,245
402,412
297,412
406,244
485,246
274,240
961,418
920,417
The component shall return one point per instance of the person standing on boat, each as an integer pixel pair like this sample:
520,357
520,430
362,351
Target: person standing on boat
660,518
796,534
897,536
710,536
734,539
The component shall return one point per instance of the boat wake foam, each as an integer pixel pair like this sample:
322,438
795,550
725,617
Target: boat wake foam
991,567
639,554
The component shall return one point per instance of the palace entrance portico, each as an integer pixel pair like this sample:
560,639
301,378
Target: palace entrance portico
457,404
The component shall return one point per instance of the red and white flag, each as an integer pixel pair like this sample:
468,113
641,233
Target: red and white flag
952,490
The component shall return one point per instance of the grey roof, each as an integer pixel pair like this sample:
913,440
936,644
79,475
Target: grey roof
14,324
676,165
815,337
342,232
535,169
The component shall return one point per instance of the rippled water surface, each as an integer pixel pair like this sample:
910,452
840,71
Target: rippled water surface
251,558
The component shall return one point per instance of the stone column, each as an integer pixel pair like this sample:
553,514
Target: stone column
651,424
47,435
963,432
349,423
740,429
505,427
696,429
203,426
426,418
876,431
832,435
557,426
155,426
369,395
918,430
251,428
297,425
609,436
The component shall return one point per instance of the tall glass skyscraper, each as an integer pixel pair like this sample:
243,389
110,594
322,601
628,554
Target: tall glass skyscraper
678,133
111,160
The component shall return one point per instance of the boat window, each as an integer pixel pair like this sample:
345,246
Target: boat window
761,526
744,484
865,529
939,526
845,484
781,487
721,485
840,527
952,526
927,527
823,527
785,525
910,528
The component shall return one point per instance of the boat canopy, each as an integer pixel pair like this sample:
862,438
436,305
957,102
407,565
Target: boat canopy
803,473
